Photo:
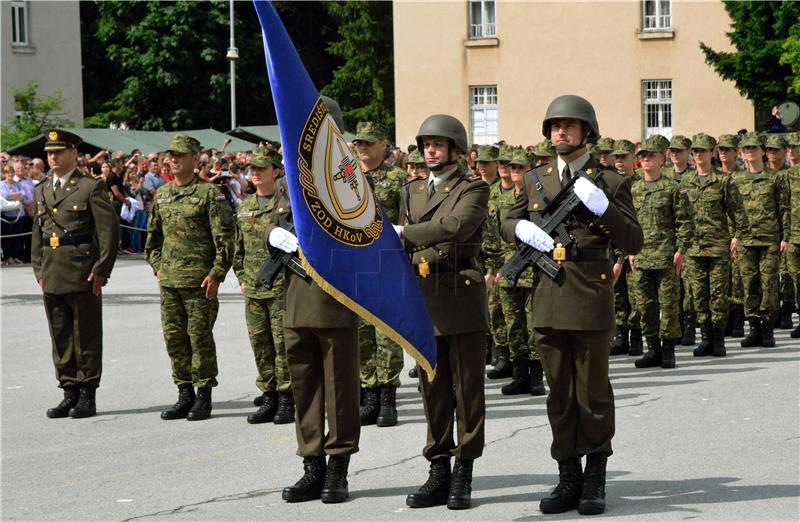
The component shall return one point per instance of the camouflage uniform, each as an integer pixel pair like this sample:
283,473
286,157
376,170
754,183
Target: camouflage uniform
786,289
792,188
737,290
189,236
263,306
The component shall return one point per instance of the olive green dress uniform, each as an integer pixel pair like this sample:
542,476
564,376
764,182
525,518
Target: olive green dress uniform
190,236
451,282
573,318
74,313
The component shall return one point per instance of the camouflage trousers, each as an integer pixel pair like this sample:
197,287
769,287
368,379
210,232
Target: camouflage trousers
517,311
381,358
626,310
657,293
187,319
686,299
737,287
497,321
787,290
759,269
710,289
793,263
264,318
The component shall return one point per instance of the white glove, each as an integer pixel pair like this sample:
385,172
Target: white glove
283,240
530,234
399,230
594,198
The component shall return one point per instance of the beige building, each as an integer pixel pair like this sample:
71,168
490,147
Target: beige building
497,65
42,44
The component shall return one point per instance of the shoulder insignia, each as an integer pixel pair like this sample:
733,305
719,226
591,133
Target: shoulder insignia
73,182
589,171
473,177
549,170
195,200
220,197
245,214
163,200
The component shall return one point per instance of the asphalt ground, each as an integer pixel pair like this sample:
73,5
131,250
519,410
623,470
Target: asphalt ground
713,439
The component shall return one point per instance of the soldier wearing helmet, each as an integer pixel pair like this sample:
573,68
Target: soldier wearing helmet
573,316
441,222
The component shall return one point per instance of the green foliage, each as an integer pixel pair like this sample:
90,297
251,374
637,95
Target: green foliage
37,113
759,31
364,83
791,57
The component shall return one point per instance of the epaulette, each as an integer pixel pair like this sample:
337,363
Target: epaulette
473,177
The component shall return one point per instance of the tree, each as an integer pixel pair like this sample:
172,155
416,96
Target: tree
364,83
791,57
35,114
759,31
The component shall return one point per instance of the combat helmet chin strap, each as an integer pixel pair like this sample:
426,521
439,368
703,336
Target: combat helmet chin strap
436,167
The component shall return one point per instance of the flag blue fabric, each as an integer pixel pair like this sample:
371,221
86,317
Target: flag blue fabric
347,243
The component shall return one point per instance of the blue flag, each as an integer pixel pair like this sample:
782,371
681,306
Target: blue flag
347,243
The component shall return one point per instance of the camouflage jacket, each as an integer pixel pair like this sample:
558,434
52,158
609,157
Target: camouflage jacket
766,207
190,234
662,208
250,253
792,190
500,203
386,183
492,248
669,173
715,207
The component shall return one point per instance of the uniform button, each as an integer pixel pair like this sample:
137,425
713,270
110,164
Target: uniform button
535,206
280,210
55,210
603,277
467,282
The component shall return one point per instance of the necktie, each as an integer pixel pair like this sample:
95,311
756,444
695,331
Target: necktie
566,175
56,186
431,189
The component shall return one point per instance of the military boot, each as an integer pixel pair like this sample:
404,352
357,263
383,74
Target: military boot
637,347
537,379
67,403
503,368
705,347
86,406
460,495
265,412
521,382
285,412
335,488
593,498
201,410
567,494
688,338
414,372
369,407
436,489
729,323
668,353
309,487
387,416
489,349
754,336
180,409
786,315
718,341
258,401
619,344
737,319
796,332
653,356
767,335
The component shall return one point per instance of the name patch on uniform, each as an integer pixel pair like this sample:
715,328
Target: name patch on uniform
163,200
245,214
195,200
220,197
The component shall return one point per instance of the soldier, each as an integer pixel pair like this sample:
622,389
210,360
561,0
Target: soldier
662,208
763,243
381,358
441,228
73,248
679,156
544,152
605,146
190,248
793,144
792,188
728,149
263,307
573,317
417,169
712,196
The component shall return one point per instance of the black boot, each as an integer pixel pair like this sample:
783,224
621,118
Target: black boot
767,335
737,312
369,406
754,337
285,413
67,403
86,406
705,348
258,401
795,333
265,412
593,499
619,344
309,487
436,489
567,494
388,412
201,410
335,488
786,315
503,369
688,338
521,383
489,349
729,323
637,348
185,402
460,496
537,379
414,372
653,356
668,353
718,340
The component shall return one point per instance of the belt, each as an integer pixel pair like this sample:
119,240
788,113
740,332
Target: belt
587,254
462,263
69,240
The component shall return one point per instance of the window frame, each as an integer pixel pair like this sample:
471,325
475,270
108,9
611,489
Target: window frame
484,138
480,31
657,17
659,87
17,7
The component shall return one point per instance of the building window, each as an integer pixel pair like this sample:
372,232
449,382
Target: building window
483,114
19,23
656,15
657,95
481,19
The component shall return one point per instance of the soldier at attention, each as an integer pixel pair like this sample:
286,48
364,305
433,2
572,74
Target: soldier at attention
73,249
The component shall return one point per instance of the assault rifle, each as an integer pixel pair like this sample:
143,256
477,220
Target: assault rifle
555,220
277,260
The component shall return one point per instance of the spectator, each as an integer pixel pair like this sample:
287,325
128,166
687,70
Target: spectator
134,190
12,192
116,189
775,122
22,178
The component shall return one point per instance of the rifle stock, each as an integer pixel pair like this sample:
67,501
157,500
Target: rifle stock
278,259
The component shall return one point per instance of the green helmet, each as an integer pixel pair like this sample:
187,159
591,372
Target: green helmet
335,110
447,127
571,106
